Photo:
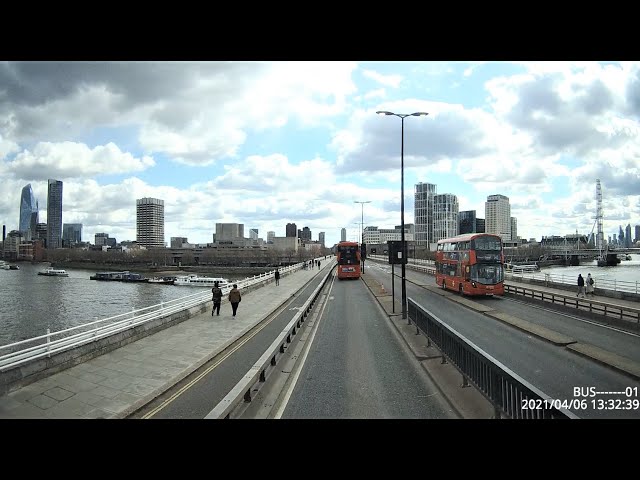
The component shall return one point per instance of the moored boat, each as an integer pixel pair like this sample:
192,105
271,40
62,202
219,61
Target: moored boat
196,281
125,276
163,280
54,272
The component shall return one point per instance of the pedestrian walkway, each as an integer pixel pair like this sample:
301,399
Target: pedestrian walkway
119,382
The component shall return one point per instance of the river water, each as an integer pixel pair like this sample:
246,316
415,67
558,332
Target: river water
626,272
31,303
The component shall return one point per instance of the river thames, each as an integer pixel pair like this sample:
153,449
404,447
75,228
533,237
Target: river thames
31,303
627,272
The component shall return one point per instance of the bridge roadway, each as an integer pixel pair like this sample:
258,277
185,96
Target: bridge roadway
119,383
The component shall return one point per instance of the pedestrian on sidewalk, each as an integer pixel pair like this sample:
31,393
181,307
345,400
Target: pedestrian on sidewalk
234,298
318,264
217,299
277,277
580,286
589,285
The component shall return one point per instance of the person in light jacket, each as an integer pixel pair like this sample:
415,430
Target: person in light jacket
589,285
234,298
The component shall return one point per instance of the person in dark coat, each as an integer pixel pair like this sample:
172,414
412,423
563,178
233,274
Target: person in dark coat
234,298
217,299
277,277
580,286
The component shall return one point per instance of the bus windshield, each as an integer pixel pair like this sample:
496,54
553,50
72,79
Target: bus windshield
347,255
486,274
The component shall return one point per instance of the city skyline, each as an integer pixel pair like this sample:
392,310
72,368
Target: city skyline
299,142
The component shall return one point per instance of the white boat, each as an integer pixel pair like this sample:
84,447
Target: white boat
196,281
163,280
54,272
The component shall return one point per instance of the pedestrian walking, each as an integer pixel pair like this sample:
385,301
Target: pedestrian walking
318,264
580,286
234,298
277,277
217,299
589,285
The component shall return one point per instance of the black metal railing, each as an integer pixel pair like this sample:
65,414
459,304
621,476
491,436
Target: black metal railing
510,394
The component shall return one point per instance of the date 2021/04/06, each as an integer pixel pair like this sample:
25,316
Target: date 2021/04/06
582,404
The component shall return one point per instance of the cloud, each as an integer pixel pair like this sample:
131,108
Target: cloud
194,112
386,80
7,147
74,160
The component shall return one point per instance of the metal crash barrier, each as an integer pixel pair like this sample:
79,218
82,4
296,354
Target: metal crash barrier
510,394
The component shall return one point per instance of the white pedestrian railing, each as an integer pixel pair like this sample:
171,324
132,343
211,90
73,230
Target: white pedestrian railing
603,283
31,349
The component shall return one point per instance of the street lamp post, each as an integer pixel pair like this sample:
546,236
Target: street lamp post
362,217
362,225
403,246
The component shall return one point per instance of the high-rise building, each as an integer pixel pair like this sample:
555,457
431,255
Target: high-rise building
71,234
177,242
423,212
467,221
620,236
637,237
497,213
480,225
228,232
28,212
305,234
150,222
270,235
101,239
54,214
253,233
321,238
445,216
343,234
627,236
41,232
514,228
291,230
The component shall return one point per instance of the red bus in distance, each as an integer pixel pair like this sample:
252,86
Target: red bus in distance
348,256
472,264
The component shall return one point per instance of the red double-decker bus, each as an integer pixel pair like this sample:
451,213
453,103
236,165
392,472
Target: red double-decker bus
471,264
348,256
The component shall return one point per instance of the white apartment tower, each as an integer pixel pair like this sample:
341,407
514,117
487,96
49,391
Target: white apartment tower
423,213
445,216
497,215
150,222
343,235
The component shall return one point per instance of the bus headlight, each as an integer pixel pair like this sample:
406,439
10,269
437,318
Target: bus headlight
473,284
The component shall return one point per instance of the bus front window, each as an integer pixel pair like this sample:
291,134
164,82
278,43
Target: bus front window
486,274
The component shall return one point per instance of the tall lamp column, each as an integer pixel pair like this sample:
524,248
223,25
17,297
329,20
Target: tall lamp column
402,242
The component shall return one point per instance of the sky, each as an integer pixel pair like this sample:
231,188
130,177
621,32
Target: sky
269,143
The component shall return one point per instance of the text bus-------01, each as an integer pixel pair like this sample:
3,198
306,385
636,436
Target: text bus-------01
348,256
472,264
